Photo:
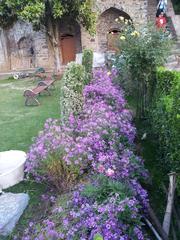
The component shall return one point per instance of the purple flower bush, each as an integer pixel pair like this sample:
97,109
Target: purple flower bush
98,141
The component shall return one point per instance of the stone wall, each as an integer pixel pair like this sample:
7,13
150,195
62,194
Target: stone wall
23,48
152,9
4,56
108,11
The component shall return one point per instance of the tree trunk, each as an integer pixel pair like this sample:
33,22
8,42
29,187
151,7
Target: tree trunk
57,48
57,59
53,35
170,202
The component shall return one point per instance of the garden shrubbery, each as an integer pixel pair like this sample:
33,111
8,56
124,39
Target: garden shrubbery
166,117
72,83
141,52
97,143
87,62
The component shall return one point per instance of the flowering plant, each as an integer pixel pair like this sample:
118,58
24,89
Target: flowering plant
99,141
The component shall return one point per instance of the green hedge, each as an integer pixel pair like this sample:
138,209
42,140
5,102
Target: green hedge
166,119
176,5
87,62
72,84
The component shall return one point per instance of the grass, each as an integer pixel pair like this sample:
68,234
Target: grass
19,125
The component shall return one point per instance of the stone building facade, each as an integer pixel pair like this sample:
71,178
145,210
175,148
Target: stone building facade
22,48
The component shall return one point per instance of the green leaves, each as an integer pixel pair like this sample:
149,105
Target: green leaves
57,9
33,12
106,188
165,119
40,11
72,83
87,17
87,62
143,51
98,237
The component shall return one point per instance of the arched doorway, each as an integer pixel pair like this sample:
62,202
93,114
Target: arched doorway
26,52
68,48
108,29
70,40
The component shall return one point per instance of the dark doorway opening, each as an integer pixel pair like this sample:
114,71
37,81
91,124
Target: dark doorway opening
68,48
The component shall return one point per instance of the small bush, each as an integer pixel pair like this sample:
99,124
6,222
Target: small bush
165,118
46,157
87,62
141,52
71,98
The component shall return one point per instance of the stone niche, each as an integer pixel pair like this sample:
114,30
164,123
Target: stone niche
23,48
108,29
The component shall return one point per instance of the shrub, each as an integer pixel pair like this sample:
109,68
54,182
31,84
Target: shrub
165,118
141,52
72,83
46,157
87,62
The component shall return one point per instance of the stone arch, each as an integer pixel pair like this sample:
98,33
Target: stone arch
23,53
70,39
26,52
108,28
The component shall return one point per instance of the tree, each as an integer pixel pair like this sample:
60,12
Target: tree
46,14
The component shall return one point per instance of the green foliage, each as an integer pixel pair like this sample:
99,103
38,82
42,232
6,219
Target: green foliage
87,62
39,12
98,237
140,53
33,12
72,83
165,119
87,16
176,5
57,9
106,188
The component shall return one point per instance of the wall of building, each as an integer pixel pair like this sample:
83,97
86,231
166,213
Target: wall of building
23,48
137,10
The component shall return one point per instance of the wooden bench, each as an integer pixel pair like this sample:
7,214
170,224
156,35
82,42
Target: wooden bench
49,82
31,95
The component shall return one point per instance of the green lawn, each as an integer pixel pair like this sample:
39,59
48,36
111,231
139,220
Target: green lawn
18,125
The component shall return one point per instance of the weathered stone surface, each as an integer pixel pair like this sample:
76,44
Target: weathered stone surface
11,208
